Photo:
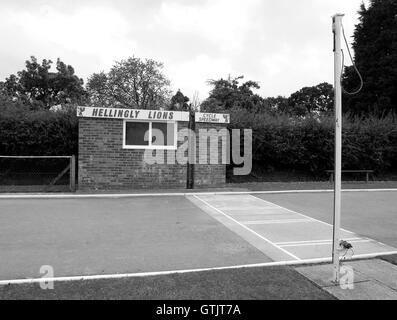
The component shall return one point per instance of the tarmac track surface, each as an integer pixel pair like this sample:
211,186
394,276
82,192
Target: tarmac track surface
144,234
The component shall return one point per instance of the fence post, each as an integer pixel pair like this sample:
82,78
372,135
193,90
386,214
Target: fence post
73,173
191,150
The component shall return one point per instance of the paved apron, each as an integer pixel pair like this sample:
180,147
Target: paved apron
280,233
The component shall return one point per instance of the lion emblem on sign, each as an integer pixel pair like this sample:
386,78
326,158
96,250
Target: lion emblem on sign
80,111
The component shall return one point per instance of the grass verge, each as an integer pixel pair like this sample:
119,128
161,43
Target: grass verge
392,259
262,283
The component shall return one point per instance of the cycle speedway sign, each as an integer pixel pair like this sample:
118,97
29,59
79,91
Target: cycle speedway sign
212,117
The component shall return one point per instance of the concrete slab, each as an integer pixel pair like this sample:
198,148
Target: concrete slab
382,271
285,229
256,240
298,231
257,211
243,215
311,251
370,280
322,275
368,290
225,202
275,221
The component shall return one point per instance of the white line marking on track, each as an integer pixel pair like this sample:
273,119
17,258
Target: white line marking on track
262,208
170,194
303,215
317,243
310,241
160,273
277,221
254,213
245,227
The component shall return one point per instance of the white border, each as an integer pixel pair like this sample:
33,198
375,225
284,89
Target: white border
150,146
159,273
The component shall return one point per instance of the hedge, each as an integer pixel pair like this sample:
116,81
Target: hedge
284,143
25,132
279,141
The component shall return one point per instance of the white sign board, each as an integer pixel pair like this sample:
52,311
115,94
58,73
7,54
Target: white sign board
212,117
141,114
132,114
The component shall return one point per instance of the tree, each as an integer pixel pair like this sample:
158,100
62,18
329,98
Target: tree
309,100
131,83
39,88
179,102
227,94
375,47
278,104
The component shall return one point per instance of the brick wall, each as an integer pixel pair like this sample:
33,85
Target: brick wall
104,164
205,171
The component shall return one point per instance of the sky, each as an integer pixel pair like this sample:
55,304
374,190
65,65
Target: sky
282,44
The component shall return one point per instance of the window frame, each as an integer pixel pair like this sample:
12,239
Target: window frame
150,146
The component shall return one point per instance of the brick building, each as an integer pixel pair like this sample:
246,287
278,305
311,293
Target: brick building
131,149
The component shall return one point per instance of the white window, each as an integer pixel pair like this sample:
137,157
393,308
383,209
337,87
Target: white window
149,134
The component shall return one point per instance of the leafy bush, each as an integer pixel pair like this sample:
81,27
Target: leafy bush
25,132
279,141
307,144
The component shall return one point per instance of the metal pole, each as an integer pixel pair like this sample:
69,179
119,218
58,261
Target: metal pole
337,27
72,173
